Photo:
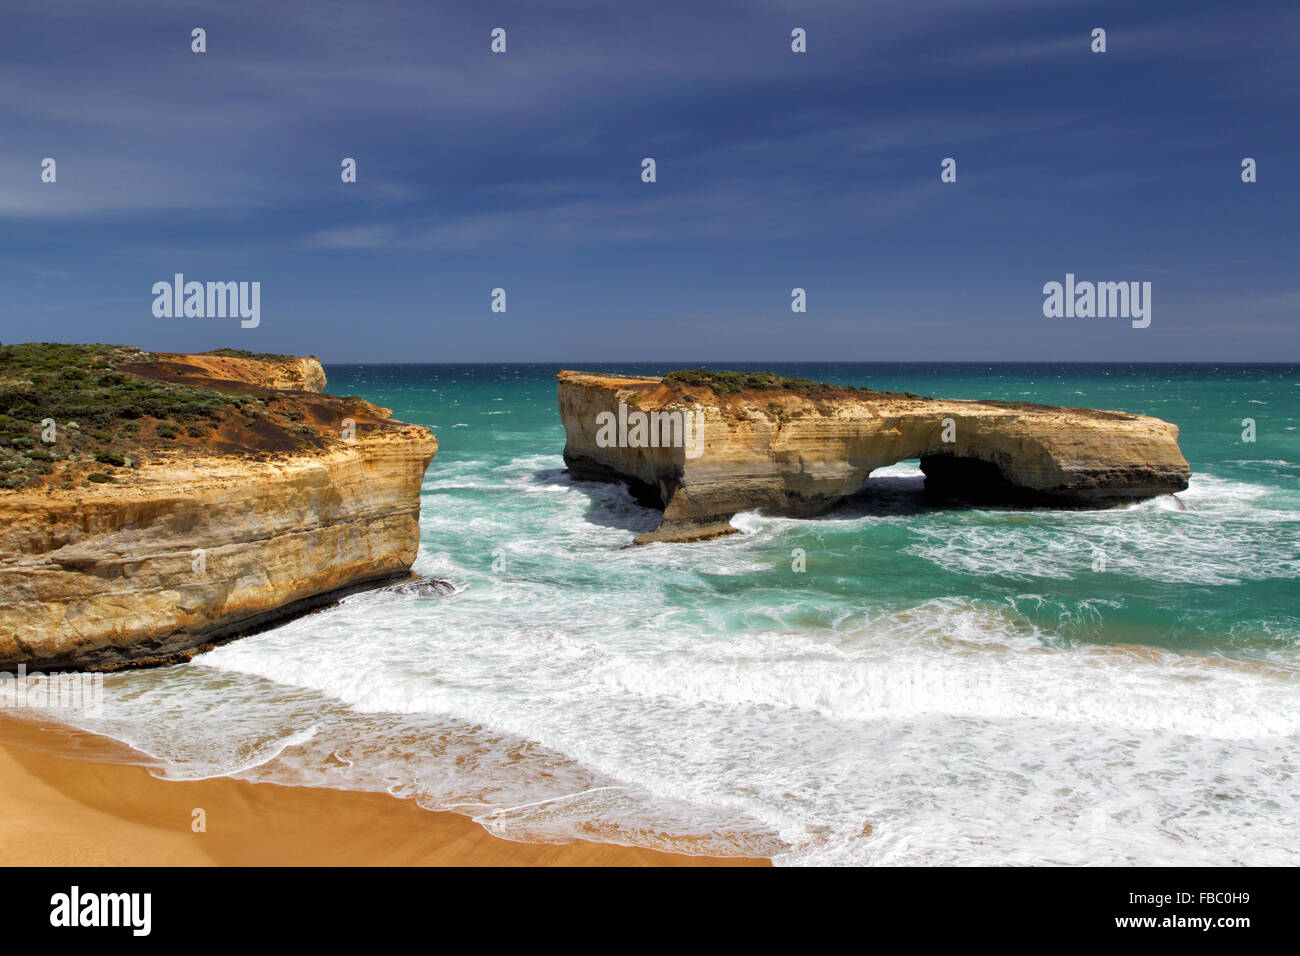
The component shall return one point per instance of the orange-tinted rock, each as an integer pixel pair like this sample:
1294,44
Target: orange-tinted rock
215,537
799,451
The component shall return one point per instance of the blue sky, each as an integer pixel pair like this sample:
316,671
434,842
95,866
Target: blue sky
775,170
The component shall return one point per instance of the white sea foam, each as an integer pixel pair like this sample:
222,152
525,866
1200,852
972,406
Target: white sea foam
1213,540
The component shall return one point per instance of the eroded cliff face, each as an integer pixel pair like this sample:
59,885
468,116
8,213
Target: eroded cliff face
216,535
271,371
799,450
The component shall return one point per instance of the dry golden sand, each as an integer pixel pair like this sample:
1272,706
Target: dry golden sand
70,799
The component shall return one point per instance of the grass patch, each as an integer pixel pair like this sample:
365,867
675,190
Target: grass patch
736,383
257,356
102,414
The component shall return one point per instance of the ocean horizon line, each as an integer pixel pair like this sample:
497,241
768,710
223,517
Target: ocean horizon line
822,362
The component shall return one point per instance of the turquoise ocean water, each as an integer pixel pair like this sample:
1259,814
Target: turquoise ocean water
968,686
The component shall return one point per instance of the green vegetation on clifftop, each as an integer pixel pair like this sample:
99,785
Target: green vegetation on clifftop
735,383
101,415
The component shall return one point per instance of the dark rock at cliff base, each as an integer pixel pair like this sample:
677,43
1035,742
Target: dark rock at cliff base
424,587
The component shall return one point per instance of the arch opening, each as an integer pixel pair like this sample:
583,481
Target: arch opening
951,477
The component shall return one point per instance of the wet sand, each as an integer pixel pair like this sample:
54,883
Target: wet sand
73,799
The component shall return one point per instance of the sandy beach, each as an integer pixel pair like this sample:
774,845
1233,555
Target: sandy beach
71,799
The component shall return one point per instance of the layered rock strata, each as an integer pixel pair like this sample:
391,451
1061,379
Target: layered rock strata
789,447
278,507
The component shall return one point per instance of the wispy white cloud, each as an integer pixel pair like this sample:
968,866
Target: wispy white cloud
353,237
43,273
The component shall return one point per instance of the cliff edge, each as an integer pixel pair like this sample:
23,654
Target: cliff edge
705,445
152,503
